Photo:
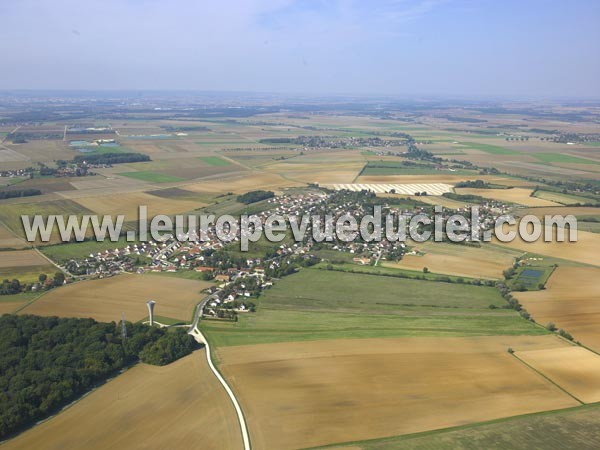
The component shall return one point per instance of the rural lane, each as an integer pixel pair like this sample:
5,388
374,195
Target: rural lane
197,334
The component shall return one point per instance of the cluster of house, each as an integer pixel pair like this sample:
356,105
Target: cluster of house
234,294
171,254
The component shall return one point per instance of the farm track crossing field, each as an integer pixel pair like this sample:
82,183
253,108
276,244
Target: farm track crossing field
319,304
176,406
316,393
575,369
571,301
105,299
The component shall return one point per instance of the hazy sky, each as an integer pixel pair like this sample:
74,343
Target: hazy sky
407,47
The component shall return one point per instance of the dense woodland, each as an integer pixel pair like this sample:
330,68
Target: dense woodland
47,362
111,158
13,193
255,196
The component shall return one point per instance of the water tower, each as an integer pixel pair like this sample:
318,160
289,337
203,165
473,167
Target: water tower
151,304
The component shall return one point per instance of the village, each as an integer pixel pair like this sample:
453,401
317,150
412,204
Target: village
240,277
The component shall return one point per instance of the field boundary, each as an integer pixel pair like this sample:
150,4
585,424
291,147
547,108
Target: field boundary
548,379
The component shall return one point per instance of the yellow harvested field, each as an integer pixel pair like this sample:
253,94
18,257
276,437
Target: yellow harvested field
571,300
107,298
575,369
322,170
178,406
560,210
461,260
585,250
439,200
306,394
243,184
128,204
443,177
22,258
520,196
324,176
9,240
9,307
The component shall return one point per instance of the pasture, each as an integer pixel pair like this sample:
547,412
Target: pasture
174,406
487,148
561,198
323,392
106,299
152,177
319,304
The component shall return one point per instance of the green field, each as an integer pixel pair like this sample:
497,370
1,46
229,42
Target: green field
339,264
10,213
214,161
559,197
318,304
492,149
562,158
153,177
64,252
575,428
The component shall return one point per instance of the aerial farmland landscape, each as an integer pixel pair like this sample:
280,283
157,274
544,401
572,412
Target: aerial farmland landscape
300,225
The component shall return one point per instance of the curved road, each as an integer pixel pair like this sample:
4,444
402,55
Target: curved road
197,334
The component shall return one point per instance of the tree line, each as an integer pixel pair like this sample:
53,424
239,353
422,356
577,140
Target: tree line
254,196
